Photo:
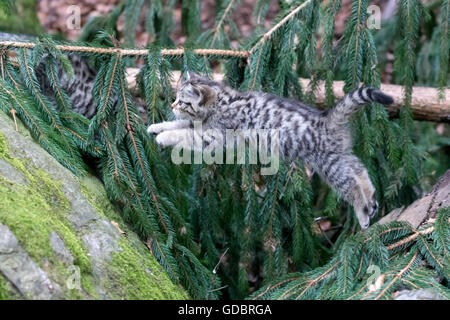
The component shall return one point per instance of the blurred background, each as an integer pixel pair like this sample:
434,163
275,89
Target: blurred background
50,16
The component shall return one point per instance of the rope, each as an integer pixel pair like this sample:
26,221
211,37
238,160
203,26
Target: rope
129,52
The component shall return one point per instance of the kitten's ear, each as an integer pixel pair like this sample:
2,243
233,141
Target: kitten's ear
208,96
192,91
190,75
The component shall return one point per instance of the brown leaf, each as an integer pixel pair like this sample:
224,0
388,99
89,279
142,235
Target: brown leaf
115,224
148,244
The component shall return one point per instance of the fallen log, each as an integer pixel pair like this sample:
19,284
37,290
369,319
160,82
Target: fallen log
422,210
425,103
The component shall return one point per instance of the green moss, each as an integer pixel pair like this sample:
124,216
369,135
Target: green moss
36,210
3,145
141,277
92,189
18,164
129,265
6,290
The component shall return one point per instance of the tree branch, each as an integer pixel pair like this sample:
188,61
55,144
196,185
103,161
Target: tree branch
421,211
269,33
425,103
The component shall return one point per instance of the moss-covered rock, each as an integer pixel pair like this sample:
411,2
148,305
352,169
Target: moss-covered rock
60,237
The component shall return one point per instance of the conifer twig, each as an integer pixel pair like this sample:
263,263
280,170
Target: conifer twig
269,33
398,275
312,282
410,238
217,28
220,260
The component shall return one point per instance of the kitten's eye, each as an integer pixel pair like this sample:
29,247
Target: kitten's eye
185,104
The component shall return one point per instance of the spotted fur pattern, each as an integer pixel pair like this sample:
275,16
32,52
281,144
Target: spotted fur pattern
79,87
321,139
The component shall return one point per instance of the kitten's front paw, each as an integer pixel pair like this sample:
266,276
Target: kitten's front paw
155,128
167,138
367,213
373,208
364,221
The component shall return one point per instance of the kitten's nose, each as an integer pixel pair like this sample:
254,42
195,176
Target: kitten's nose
175,105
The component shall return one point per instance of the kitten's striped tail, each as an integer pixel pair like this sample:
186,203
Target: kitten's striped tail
351,101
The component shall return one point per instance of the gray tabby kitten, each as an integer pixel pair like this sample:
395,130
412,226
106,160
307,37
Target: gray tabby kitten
320,138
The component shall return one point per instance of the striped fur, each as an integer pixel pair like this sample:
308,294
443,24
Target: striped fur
321,139
79,87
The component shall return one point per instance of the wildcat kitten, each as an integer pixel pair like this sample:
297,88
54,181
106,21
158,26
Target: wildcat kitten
320,138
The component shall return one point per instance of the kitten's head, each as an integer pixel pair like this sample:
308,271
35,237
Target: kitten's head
195,98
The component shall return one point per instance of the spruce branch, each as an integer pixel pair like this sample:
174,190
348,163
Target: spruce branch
411,238
23,109
314,281
221,21
397,276
33,85
269,33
